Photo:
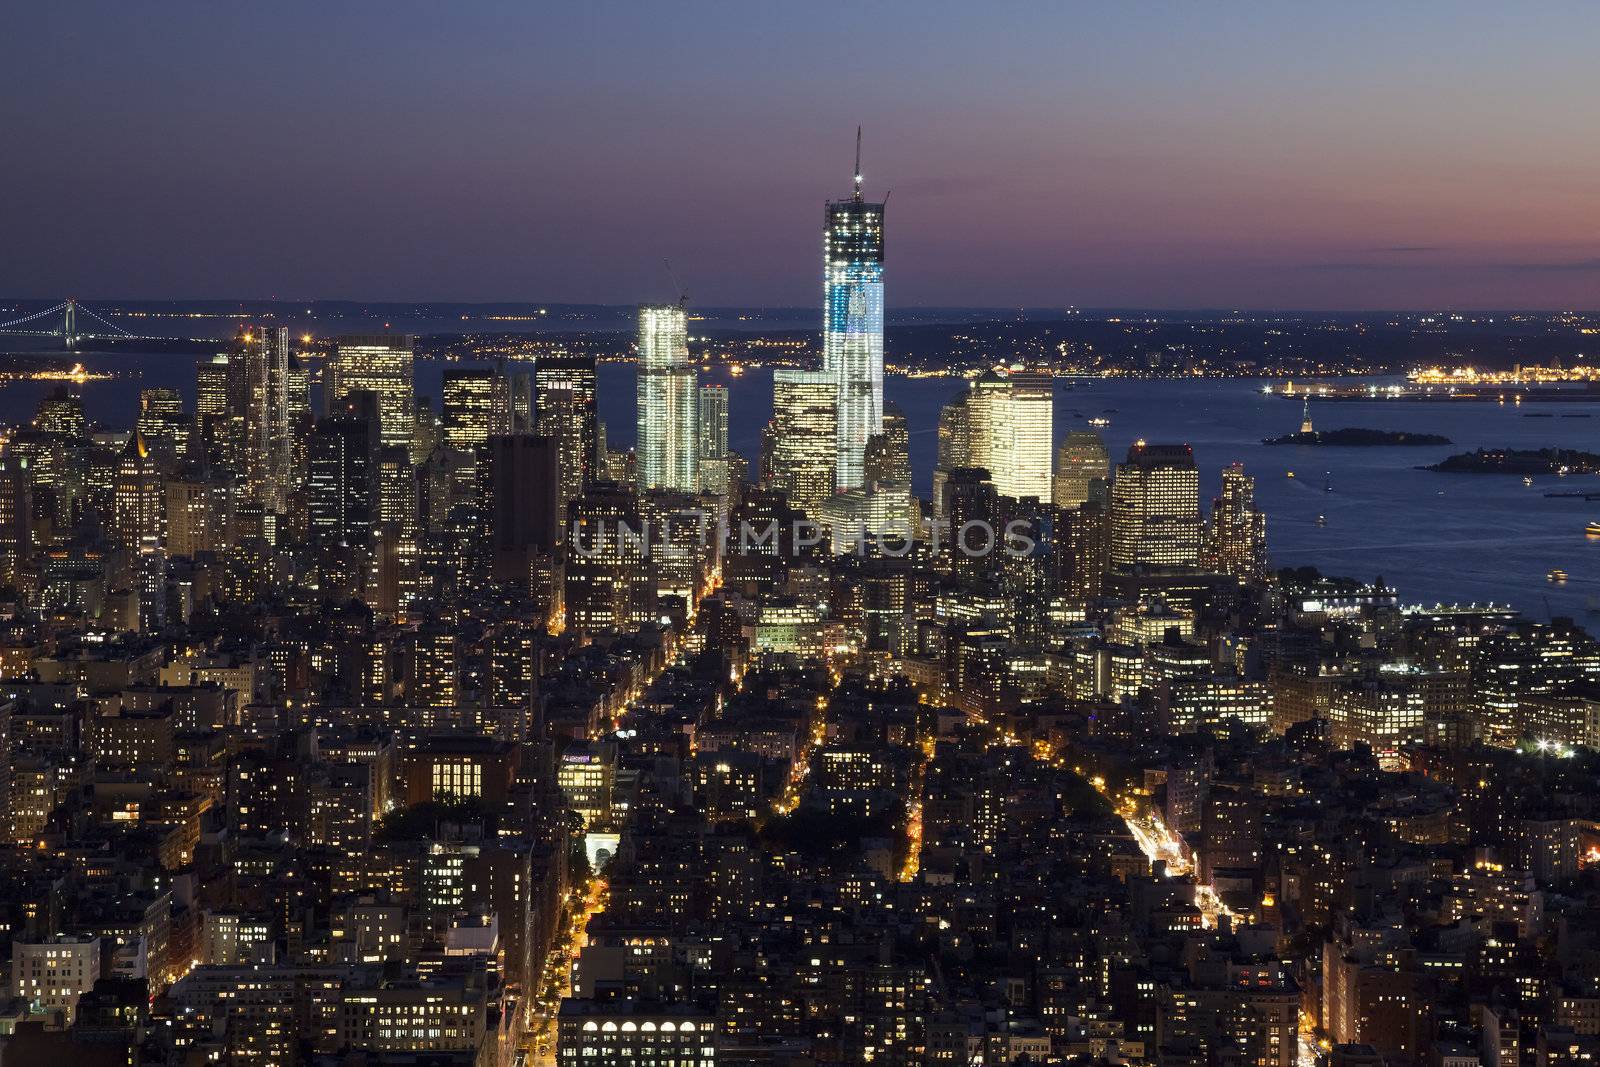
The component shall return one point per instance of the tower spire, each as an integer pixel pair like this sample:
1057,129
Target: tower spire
858,163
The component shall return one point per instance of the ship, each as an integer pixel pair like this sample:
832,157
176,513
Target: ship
1557,575
1099,422
1593,529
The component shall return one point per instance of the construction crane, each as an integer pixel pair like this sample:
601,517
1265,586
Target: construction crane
683,294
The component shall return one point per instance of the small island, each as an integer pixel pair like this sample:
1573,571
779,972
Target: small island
1356,437
1519,461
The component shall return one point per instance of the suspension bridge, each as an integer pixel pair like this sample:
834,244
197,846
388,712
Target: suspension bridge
73,323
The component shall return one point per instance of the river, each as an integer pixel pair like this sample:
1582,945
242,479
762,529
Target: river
1436,537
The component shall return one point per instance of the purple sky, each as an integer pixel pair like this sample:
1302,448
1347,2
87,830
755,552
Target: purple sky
1279,155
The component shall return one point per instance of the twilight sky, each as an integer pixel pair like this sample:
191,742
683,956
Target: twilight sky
1294,155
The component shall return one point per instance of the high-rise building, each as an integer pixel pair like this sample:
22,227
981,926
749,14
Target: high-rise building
668,443
16,516
1155,508
803,413
61,412
852,327
1010,426
1236,541
606,578
713,421
524,511
163,423
564,403
1081,461
216,433
341,482
954,451
190,528
260,394
139,511
399,495
380,364
476,405
888,455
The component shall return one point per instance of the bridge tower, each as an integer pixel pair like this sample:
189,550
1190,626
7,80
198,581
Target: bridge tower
69,327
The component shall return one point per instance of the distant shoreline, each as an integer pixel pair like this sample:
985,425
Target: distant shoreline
1358,437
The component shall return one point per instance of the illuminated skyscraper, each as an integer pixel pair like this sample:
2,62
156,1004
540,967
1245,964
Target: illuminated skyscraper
954,451
1010,424
713,426
191,527
61,412
1080,462
379,364
1155,508
163,422
1236,541
668,441
564,409
139,510
261,393
477,403
606,587
341,480
803,413
888,455
852,329
216,432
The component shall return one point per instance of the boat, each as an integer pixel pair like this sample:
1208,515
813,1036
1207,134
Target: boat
1099,422
1527,479
1288,474
1327,482
1593,529
1322,520
1557,575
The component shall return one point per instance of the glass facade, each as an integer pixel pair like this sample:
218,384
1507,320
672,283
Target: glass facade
1155,508
668,404
852,333
1010,427
803,412
379,364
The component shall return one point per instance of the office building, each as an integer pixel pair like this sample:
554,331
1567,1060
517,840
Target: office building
668,445
564,410
380,364
1083,467
888,455
1010,422
713,421
1236,540
259,399
1155,508
140,514
524,502
803,435
341,480
852,329
476,404
606,580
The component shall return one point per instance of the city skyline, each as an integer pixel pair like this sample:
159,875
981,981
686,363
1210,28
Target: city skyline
1350,158
526,686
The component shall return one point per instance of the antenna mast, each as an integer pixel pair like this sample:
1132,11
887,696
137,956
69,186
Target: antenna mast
858,163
